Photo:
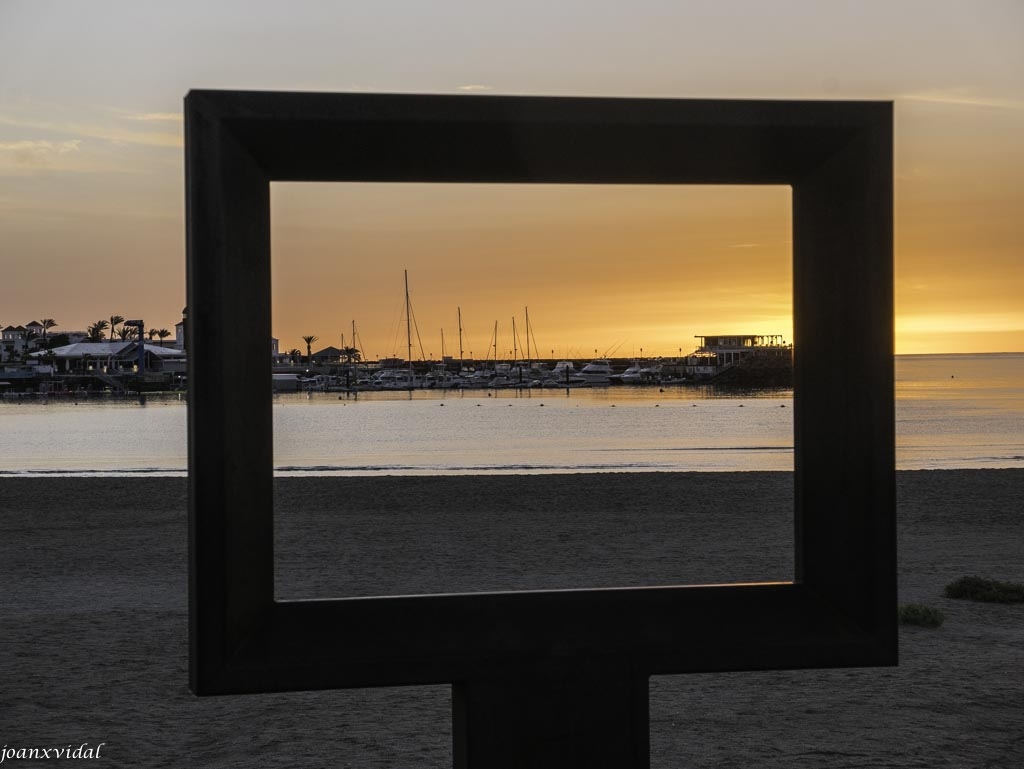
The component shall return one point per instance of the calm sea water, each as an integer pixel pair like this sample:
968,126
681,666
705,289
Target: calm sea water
952,411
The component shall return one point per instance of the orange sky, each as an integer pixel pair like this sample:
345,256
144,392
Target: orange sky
91,183
600,267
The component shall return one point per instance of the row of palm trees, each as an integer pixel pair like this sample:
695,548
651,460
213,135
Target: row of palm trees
98,329
348,354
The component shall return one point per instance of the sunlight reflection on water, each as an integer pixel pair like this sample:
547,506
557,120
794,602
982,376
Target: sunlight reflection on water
951,411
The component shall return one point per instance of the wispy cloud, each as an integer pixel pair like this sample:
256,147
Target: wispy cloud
962,98
476,87
46,146
745,245
112,132
35,153
167,117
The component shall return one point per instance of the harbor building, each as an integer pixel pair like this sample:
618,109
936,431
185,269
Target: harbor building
715,353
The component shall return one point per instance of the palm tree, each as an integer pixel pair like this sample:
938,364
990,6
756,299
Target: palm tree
47,324
163,334
151,334
351,354
296,355
127,332
309,347
95,331
114,320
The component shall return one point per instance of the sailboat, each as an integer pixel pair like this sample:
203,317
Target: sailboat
393,375
526,372
439,377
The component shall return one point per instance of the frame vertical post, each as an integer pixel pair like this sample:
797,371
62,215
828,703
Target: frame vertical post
553,717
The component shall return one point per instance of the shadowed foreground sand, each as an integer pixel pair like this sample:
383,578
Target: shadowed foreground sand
94,616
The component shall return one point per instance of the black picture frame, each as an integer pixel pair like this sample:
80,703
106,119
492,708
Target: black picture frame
840,609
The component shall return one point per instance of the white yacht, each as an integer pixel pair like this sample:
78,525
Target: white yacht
563,374
397,379
598,371
633,374
651,372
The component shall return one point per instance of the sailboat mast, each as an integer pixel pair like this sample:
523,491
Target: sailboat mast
527,334
356,344
460,337
515,349
495,345
408,323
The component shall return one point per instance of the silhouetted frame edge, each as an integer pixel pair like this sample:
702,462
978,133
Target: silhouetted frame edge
840,610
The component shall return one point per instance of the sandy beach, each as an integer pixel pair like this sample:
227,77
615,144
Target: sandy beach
94,616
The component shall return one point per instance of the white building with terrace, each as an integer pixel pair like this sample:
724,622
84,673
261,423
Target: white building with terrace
112,358
718,352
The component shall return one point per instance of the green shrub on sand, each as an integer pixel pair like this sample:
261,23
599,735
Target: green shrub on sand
990,590
919,614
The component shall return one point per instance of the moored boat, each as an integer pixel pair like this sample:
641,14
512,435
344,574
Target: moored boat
598,371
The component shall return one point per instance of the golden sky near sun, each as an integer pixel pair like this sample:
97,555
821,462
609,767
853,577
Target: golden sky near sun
600,268
91,170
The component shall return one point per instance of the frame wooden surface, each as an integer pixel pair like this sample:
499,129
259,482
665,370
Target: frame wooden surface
840,609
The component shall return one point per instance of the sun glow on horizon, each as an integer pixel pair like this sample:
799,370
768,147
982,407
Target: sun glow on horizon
963,332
